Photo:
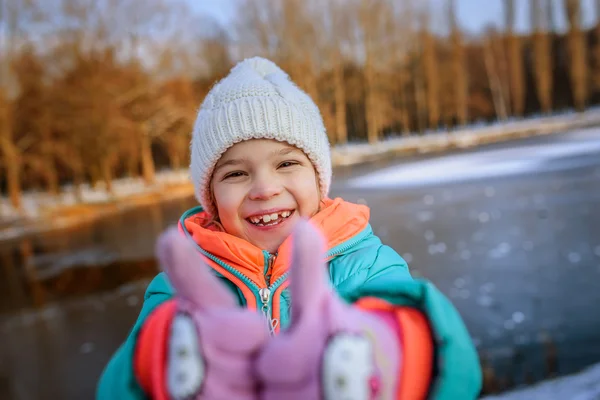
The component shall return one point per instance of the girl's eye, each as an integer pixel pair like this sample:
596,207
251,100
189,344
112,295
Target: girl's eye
233,175
286,164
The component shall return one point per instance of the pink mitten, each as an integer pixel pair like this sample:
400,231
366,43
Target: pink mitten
331,350
213,341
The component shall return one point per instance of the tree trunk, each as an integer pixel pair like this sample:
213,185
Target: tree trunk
95,175
577,54
77,182
13,179
401,97
310,79
404,115
11,155
107,175
369,71
133,160
50,172
148,170
420,98
132,167
494,80
579,70
515,58
500,55
13,174
543,70
542,54
174,157
432,79
340,102
458,68
517,84
460,83
596,50
370,104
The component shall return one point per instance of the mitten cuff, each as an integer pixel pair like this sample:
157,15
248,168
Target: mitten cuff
150,356
416,343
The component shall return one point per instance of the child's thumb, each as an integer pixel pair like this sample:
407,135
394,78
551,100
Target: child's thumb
191,278
308,283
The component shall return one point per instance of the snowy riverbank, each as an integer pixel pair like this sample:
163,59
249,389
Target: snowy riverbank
43,211
63,210
582,386
470,136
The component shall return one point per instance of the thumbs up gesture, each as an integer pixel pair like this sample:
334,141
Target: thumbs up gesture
213,342
331,350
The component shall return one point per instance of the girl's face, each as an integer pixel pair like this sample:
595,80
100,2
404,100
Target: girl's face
261,188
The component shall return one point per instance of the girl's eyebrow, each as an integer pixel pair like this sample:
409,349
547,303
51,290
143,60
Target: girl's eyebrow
286,151
233,161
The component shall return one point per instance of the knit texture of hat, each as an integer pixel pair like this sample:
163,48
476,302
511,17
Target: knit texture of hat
257,100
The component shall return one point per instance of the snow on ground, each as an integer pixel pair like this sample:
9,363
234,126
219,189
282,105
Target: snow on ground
483,164
582,386
468,136
34,202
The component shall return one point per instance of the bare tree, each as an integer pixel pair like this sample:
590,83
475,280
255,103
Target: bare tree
517,83
33,120
542,53
596,50
494,80
431,71
10,14
458,67
577,53
400,91
341,128
339,36
375,22
177,113
367,17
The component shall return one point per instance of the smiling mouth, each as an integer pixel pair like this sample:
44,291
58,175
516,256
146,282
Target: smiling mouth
270,219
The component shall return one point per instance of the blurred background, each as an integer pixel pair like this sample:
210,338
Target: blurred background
470,127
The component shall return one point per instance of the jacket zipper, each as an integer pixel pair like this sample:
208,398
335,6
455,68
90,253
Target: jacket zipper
265,294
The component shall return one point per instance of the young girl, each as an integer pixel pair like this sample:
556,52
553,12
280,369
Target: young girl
274,290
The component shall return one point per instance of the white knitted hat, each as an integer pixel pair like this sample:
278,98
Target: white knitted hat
257,100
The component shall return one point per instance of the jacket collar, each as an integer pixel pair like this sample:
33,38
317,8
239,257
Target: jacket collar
338,220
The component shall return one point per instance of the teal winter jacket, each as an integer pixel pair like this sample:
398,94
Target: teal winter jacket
359,266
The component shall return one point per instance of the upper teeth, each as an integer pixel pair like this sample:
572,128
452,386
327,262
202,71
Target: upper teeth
269,217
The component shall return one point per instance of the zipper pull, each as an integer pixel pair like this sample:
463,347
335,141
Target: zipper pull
265,295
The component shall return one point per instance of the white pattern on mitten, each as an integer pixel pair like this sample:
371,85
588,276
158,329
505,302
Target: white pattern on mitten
349,371
185,368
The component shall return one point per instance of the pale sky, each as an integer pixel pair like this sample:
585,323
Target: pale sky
473,15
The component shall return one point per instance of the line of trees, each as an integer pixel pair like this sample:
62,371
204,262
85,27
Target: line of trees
94,89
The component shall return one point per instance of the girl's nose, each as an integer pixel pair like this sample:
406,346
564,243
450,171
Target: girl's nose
264,188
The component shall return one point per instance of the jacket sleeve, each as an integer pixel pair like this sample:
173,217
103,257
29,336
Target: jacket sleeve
456,368
118,379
